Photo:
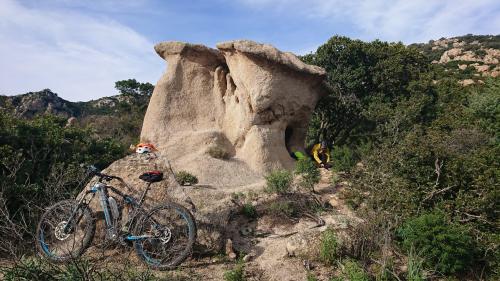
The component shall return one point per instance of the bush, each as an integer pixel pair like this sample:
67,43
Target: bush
39,269
329,247
311,277
445,247
342,158
217,152
185,178
284,208
249,211
415,270
352,271
39,165
279,181
236,274
309,172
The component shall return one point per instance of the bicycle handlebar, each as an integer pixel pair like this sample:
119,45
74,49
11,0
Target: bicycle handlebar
92,170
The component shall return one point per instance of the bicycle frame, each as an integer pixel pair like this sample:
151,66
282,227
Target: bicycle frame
101,189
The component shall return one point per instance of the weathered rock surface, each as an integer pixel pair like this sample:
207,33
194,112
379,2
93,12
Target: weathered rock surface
248,99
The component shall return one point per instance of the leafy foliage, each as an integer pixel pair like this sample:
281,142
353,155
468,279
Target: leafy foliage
132,87
249,211
329,247
185,178
362,75
236,274
310,174
342,158
279,181
39,164
445,247
423,141
353,271
38,269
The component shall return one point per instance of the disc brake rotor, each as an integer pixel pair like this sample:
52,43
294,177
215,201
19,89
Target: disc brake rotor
165,235
59,231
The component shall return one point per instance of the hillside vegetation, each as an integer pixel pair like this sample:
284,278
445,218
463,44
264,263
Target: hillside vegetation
418,147
426,148
118,117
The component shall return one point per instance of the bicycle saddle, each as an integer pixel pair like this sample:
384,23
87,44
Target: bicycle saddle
152,176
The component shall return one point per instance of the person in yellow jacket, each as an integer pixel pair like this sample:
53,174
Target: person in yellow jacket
321,155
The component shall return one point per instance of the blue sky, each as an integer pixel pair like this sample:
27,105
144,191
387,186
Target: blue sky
80,48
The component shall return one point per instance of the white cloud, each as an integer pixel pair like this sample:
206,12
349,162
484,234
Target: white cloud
76,55
395,20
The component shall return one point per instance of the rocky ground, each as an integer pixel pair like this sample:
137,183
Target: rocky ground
271,248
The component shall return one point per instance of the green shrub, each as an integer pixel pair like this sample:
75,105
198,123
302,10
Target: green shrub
249,211
329,247
309,172
311,277
284,208
353,271
185,178
342,158
217,152
334,179
77,270
279,181
445,247
415,267
236,274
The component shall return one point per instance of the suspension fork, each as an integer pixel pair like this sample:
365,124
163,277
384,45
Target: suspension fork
80,203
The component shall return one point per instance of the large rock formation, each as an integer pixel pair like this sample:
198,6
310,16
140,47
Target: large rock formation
249,99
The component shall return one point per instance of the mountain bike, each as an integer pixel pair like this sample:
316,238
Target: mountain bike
162,237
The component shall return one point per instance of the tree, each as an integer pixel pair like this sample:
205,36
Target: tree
132,87
362,75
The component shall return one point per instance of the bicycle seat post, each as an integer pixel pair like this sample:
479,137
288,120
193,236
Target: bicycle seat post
148,187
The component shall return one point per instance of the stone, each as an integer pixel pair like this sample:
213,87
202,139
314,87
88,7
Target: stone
304,244
71,122
466,82
482,68
249,99
229,249
248,257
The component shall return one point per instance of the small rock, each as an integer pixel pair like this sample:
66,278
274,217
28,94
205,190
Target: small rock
229,249
246,231
71,122
247,257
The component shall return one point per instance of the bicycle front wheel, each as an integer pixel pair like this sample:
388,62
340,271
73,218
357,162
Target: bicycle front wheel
165,236
65,231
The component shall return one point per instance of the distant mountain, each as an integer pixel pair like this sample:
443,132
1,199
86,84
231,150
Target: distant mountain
471,58
118,116
33,104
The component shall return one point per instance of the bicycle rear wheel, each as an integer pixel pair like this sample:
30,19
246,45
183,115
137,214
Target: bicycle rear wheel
60,239
168,233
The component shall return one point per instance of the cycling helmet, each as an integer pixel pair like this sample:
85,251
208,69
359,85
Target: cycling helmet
145,148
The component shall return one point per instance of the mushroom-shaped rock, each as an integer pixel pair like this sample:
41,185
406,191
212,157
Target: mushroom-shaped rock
249,99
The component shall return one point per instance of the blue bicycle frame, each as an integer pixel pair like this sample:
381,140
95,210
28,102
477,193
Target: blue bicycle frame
101,189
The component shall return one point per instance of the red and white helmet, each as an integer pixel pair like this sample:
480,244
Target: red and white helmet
145,148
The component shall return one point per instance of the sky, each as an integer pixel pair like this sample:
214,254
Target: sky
79,48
